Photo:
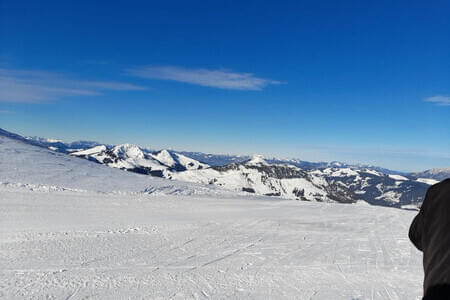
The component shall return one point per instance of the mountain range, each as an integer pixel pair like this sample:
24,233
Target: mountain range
291,179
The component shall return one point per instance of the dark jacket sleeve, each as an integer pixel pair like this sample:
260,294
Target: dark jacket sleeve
416,231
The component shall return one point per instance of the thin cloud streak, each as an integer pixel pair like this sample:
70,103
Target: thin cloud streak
25,86
222,79
439,100
111,85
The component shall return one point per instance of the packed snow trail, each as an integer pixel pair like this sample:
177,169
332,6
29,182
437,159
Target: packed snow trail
71,245
72,229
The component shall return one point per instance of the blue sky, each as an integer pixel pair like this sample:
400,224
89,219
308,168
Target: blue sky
354,81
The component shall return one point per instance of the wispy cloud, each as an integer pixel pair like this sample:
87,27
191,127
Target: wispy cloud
222,79
439,100
25,86
5,112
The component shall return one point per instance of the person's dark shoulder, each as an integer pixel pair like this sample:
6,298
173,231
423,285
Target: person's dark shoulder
443,185
438,192
434,193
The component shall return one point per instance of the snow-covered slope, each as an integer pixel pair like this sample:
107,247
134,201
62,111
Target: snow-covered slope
37,168
74,229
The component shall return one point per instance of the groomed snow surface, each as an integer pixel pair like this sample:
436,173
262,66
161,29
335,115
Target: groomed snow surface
73,229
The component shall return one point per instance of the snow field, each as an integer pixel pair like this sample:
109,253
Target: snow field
70,245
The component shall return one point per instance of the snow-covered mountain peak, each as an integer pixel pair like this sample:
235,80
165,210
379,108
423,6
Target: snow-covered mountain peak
257,160
178,161
165,157
128,151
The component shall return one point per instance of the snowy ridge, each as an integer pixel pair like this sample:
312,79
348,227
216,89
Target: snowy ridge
128,151
438,174
132,158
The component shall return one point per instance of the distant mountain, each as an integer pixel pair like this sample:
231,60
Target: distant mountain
291,179
215,159
334,164
223,160
60,146
438,174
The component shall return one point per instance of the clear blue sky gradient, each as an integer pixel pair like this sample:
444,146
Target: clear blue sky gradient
342,80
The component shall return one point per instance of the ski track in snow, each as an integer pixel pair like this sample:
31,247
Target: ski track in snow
70,245
79,230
